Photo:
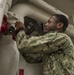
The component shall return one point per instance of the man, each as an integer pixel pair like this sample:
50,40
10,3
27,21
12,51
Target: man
56,47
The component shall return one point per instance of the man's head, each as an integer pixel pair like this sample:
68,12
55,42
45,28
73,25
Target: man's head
57,22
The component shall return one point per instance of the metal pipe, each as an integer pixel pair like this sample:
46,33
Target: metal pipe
47,7
21,10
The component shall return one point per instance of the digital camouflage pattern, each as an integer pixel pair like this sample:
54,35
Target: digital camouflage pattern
33,57
56,51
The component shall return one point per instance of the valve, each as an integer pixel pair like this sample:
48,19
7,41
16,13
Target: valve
4,26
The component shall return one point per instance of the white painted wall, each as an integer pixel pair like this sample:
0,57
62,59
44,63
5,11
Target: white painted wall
29,69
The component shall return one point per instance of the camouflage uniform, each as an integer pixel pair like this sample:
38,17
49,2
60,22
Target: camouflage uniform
56,51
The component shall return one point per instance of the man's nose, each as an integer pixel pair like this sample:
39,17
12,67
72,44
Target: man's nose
46,24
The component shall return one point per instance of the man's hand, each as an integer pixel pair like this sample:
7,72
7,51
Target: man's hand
19,24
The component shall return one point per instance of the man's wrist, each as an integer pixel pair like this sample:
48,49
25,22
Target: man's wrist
20,29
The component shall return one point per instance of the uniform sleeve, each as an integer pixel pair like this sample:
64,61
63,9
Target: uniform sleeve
33,57
48,43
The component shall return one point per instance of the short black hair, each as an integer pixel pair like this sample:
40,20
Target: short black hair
62,18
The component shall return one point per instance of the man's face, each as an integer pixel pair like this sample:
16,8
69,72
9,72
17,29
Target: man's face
51,25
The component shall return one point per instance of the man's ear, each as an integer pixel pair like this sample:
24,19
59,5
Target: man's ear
60,25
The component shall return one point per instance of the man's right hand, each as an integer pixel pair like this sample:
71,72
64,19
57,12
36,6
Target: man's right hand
19,25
